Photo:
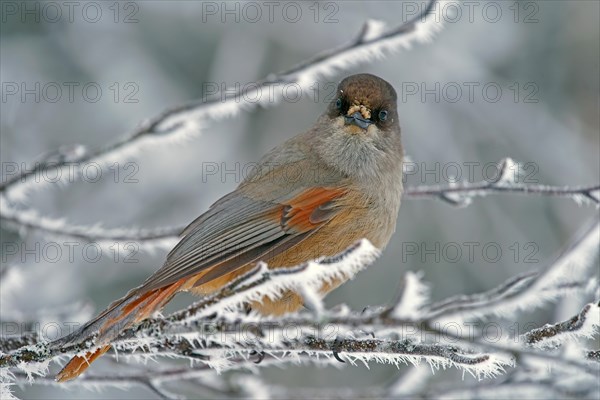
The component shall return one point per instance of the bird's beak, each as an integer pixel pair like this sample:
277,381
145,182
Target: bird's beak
358,120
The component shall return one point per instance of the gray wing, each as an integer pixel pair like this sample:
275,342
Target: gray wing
238,230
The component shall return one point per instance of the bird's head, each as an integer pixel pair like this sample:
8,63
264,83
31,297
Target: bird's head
359,132
364,104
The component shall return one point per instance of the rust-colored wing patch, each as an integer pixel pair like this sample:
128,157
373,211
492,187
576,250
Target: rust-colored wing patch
297,218
309,209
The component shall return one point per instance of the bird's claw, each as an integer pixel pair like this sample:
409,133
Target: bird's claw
261,356
336,354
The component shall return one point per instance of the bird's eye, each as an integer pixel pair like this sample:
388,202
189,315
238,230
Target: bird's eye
338,104
383,115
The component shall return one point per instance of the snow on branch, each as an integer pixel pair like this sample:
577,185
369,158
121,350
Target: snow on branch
31,219
573,271
506,181
585,324
253,286
413,299
216,334
462,194
456,194
372,43
184,334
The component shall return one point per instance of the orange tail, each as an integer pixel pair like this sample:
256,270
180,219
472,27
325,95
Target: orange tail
120,315
78,364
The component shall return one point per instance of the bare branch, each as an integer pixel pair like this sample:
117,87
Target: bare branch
253,286
467,191
261,281
54,227
569,272
10,343
584,324
213,334
371,44
166,237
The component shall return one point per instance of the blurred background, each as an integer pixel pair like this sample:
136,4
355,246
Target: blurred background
503,79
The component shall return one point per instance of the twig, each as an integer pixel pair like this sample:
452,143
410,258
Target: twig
166,335
371,43
30,219
485,188
582,324
570,271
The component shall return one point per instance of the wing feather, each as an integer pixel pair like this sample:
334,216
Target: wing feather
238,230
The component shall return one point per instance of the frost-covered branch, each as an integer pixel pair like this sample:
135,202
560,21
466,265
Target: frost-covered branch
584,324
461,194
154,380
506,181
31,219
216,334
10,343
456,194
235,335
372,43
240,386
573,271
253,286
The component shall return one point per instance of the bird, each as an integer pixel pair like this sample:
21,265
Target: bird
313,196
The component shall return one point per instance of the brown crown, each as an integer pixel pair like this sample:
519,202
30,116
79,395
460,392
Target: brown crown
367,90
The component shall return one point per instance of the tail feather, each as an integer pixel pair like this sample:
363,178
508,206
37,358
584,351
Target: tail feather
78,364
120,315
